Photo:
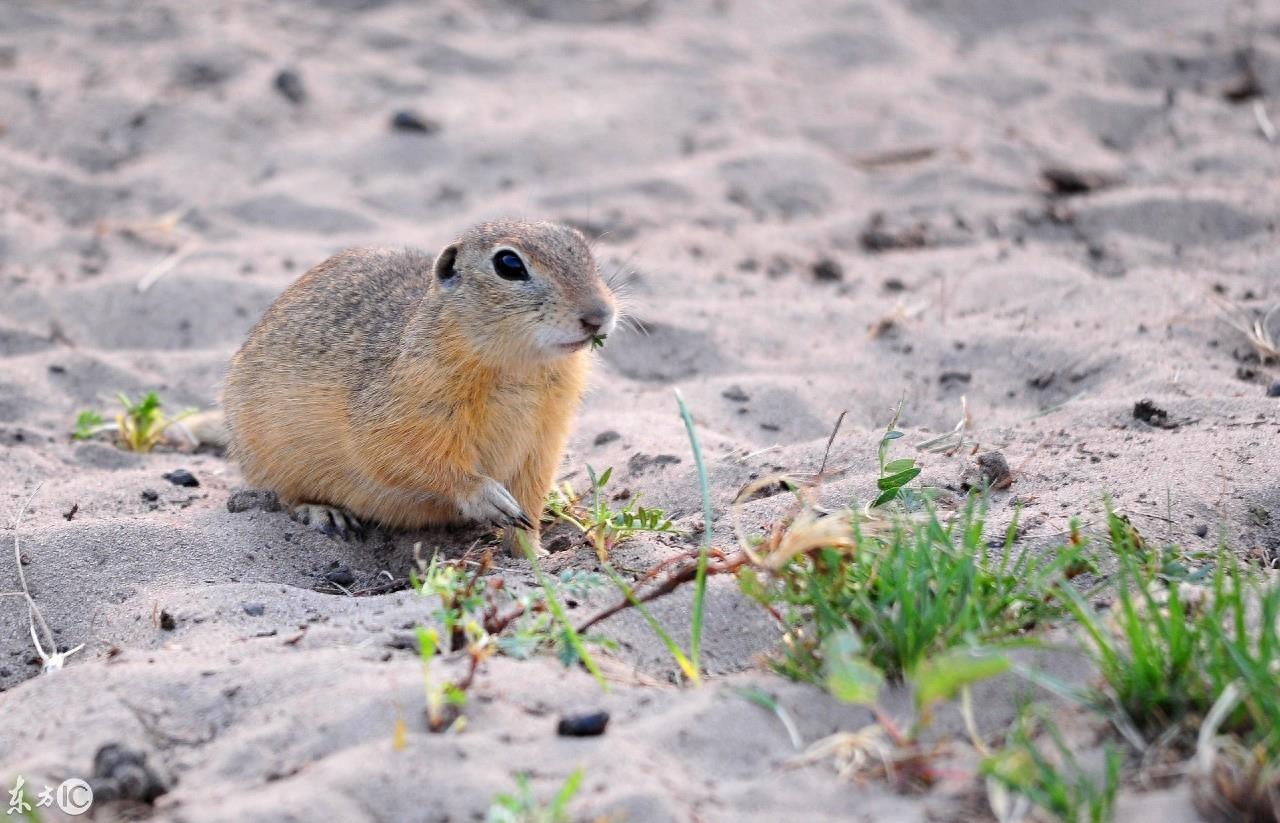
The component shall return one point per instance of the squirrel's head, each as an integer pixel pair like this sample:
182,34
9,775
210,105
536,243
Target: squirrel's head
525,291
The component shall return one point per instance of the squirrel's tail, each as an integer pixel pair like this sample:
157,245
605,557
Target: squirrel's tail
206,428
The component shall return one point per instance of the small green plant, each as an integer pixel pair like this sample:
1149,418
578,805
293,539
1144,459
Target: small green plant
894,474
1053,779
536,627
520,625
1169,647
89,423
604,527
446,699
476,615
576,650
597,340
522,806
907,592
139,427
461,594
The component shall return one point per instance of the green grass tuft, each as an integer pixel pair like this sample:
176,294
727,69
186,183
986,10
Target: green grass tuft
1053,779
1168,647
523,806
909,593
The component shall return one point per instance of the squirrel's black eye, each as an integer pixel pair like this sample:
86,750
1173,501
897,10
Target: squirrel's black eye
509,266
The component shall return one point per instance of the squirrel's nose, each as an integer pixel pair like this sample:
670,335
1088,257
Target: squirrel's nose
596,318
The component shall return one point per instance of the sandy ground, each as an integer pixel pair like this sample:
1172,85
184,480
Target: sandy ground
820,207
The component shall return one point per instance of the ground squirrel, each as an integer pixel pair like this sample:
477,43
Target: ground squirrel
387,388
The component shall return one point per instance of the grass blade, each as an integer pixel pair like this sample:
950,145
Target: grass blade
700,581
557,611
686,665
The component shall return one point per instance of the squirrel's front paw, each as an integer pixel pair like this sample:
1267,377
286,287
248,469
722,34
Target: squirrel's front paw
492,503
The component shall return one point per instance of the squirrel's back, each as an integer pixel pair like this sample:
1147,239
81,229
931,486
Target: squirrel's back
352,307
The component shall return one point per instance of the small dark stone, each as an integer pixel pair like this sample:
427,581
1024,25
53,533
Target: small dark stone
605,437
255,609
1151,414
1274,389
736,394
289,83
1065,182
994,468
1202,530
409,121
954,377
893,284
402,642
989,471
167,622
340,575
182,477
243,500
827,270
641,462
56,369
1246,86
1043,380
201,74
150,495
878,237
122,774
583,725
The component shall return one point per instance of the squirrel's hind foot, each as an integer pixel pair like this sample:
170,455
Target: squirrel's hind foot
329,520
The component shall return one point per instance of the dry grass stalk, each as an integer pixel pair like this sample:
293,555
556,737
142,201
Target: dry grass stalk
1256,329
1230,781
52,660
949,443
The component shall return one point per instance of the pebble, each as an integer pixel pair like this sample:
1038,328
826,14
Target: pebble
182,477
409,121
1274,389
255,609
150,495
340,575
289,83
827,270
583,725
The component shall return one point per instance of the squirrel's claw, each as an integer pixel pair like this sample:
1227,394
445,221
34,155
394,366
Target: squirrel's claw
494,504
328,520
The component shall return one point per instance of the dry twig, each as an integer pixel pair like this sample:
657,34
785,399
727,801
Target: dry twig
52,660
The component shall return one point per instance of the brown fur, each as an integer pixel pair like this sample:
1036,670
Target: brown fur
375,386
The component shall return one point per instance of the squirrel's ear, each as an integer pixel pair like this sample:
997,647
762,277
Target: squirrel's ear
444,268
